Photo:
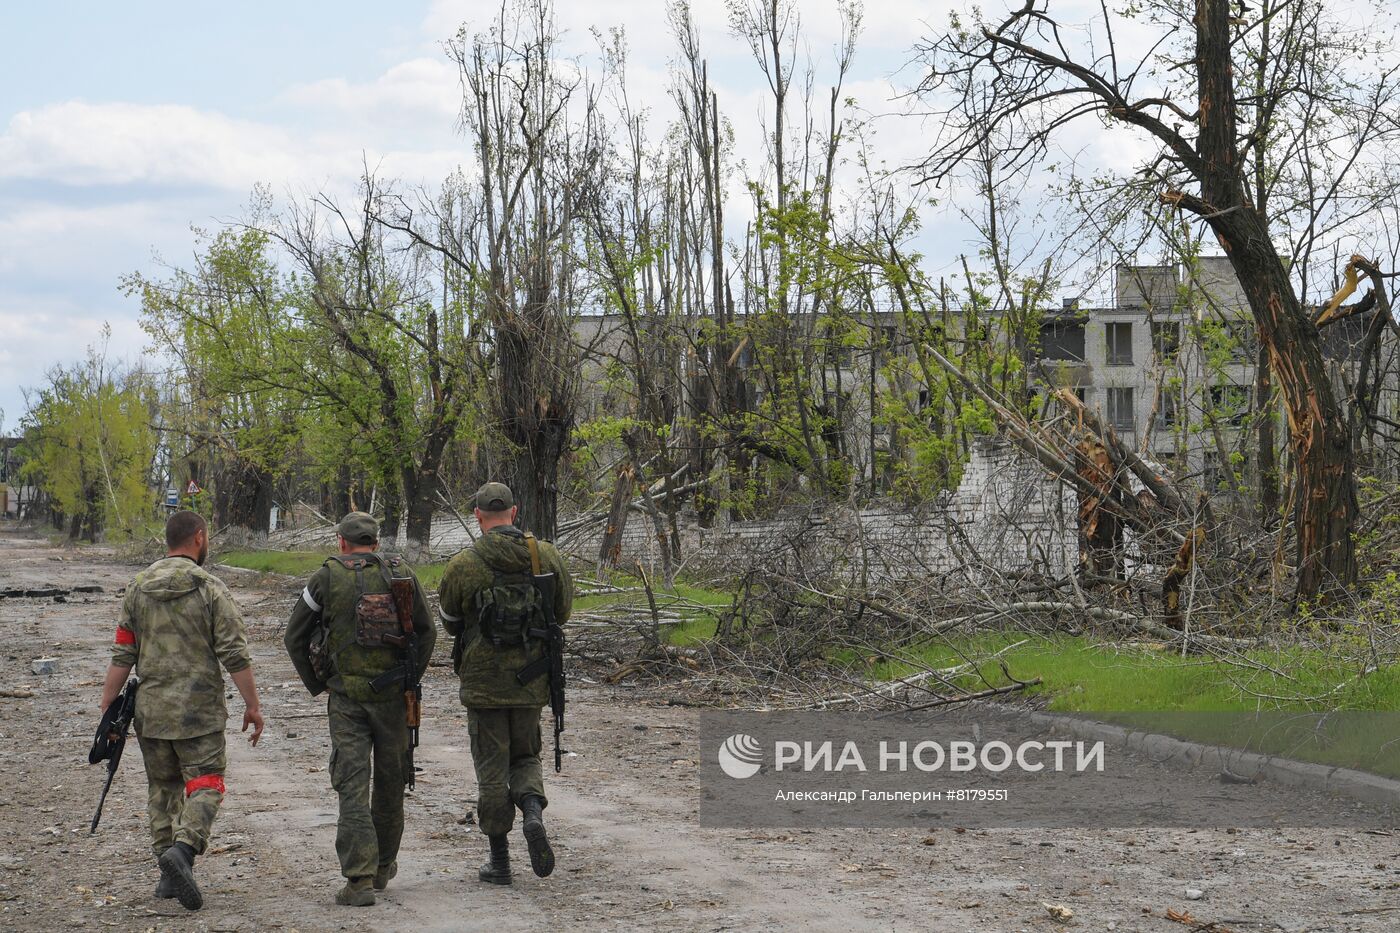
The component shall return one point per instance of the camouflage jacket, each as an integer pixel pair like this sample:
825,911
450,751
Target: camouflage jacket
178,625
488,671
329,599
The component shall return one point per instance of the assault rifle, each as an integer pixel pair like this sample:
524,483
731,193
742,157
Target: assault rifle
110,740
552,662
407,671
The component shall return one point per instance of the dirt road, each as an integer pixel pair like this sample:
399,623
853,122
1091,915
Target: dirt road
631,853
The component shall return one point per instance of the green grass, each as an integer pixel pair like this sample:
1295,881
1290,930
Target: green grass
693,631
1079,674
1147,688
305,563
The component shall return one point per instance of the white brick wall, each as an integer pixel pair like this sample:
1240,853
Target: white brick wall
1005,516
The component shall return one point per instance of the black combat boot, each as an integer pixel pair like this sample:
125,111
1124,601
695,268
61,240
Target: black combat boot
497,867
164,888
541,855
177,867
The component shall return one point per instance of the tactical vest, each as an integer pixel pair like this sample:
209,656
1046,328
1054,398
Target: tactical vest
354,613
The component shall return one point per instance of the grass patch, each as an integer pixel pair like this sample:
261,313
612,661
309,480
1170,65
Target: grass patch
292,563
1145,687
700,625
692,632
1079,674
305,563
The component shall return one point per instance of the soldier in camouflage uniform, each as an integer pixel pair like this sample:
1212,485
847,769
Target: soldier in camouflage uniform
178,625
332,644
490,604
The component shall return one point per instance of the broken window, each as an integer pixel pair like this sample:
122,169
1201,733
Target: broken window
1120,408
1119,339
1062,340
1212,476
1166,340
1244,340
1168,408
1229,403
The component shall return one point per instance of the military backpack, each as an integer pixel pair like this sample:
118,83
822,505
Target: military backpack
510,612
375,613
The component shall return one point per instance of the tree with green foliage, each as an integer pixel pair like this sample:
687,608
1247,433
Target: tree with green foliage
387,354
88,445
233,413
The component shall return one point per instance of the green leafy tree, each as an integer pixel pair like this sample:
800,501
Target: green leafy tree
233,413
88,446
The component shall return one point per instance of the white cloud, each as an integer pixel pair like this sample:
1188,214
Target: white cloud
81,143
421,93
39,334
86,144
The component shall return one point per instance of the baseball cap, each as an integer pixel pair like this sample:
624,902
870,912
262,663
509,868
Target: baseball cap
494,497
358,528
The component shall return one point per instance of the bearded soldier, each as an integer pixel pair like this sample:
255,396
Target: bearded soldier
491,604
345,636
178,625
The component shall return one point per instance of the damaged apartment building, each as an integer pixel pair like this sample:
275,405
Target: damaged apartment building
1170,364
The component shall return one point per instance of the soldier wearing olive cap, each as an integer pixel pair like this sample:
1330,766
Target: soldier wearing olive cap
490,604
335,642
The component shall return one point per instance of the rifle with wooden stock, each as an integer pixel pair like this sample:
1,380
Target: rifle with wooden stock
406,673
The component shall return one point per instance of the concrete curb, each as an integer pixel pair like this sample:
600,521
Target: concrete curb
1360,786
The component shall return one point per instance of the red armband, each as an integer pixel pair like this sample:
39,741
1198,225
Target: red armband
125,636
211,781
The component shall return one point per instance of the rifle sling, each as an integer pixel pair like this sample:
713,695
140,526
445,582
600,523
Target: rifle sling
389,678
536,668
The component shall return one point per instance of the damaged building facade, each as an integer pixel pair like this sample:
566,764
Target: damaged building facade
1170,364
1172,367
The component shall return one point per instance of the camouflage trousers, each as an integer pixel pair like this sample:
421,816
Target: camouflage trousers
185,786
369,770
506,753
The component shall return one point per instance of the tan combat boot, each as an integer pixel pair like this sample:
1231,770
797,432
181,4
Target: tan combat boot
358,892
385,874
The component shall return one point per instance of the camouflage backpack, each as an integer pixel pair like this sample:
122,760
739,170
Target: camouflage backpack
511,610
375,613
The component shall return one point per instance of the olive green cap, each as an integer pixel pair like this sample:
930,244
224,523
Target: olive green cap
493,497
358,528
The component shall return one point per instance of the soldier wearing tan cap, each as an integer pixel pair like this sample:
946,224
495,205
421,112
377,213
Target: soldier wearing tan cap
336,642
490,604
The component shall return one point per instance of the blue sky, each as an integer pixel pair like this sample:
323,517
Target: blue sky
122,125
84,201
234,57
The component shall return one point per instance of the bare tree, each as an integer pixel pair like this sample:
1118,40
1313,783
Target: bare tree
1029,77
528,117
